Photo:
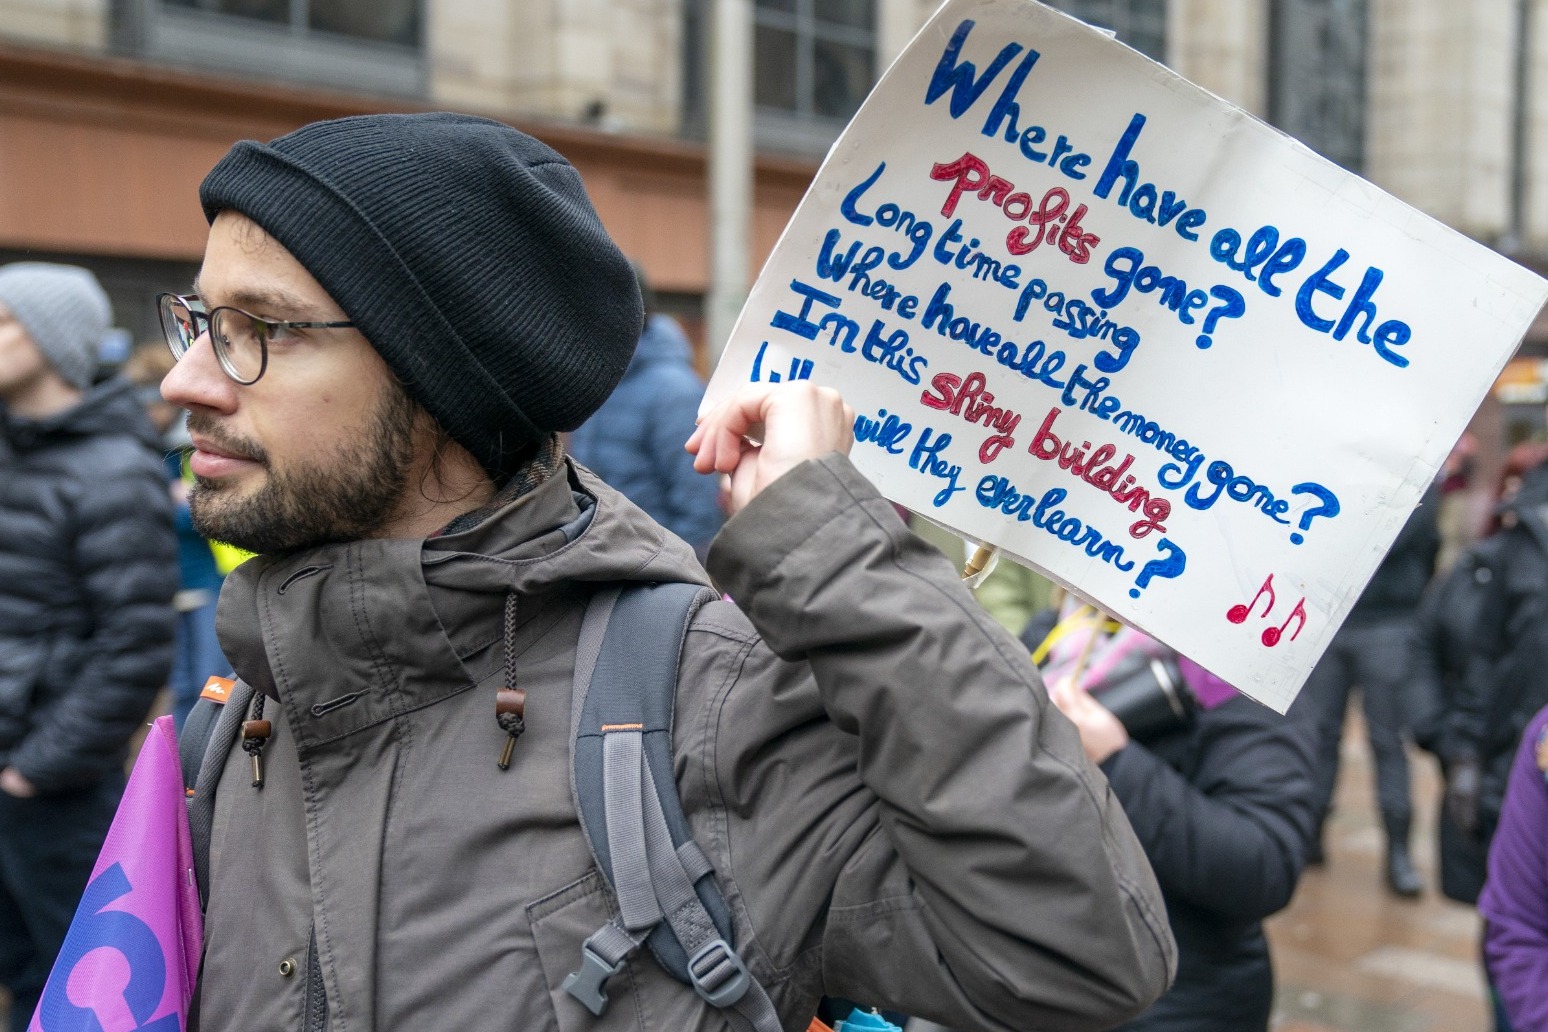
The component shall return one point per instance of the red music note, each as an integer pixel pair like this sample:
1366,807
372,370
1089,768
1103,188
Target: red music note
1272,636
1239,614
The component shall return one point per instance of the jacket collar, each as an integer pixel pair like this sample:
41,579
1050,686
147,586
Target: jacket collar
390,625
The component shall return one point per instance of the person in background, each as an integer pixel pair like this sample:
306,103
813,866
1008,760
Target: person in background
1453,706
1222,794
635,440
1504,649
1514,902
87,570
1373,650
197,655
1507,675
1455,521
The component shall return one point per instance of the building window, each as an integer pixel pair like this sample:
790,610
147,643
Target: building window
814,61
385,21
372,46
1140,24
1317,75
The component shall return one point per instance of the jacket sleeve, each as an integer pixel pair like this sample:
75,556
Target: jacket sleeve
126,558
987,878
1508,649
1459,614
1514,902
1427,651
690,500
1231,838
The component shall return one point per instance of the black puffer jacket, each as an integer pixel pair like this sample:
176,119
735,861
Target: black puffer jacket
1508,678
1449,715
1445,647
88,566
1224,811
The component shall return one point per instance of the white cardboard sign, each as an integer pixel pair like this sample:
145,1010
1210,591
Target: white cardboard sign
1094,315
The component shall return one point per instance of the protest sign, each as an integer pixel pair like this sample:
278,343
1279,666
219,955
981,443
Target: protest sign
1117,327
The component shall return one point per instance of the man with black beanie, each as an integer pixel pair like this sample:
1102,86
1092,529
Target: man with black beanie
395,318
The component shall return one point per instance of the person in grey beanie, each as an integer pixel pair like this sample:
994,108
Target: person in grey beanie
395,319
87,573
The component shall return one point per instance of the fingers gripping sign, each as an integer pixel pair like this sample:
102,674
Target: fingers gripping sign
764,430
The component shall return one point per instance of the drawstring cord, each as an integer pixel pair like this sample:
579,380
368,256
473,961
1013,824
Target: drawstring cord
510,707
510,701
255,733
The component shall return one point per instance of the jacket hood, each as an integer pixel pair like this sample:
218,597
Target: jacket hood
571,528
108,408
570,531
662,341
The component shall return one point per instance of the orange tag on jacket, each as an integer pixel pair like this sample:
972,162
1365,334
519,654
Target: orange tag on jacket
218,690
817,1026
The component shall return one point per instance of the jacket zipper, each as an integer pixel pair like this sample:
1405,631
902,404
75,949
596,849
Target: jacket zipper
315,1010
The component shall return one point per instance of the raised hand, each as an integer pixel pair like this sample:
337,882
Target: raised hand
764,430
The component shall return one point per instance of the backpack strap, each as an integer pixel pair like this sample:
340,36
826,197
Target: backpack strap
194,737
202,748
626,794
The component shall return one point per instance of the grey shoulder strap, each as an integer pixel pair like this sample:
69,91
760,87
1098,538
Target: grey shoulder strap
202,748
626,794
194,738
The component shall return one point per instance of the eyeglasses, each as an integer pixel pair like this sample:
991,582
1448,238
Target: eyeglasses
240,339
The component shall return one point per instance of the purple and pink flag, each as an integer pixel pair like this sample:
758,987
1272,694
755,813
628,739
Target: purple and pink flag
131,957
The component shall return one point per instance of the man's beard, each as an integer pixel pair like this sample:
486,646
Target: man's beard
350,498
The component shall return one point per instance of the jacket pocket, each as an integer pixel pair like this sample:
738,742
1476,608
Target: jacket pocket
560,923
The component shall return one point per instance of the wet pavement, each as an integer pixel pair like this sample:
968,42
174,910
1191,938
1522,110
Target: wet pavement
1350,957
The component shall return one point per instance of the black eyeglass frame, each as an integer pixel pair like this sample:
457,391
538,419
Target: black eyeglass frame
188,301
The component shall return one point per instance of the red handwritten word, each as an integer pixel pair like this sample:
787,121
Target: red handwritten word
975,405
1047,445
1048,220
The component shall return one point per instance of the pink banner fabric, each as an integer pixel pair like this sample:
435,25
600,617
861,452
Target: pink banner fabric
131,957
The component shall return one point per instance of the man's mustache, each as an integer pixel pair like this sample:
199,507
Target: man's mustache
205,426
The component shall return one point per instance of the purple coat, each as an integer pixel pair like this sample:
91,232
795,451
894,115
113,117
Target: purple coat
1515,898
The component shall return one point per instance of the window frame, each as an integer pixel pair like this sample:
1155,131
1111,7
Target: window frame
800,131
249,48
1306,83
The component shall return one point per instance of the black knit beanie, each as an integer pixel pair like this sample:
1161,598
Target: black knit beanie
466,252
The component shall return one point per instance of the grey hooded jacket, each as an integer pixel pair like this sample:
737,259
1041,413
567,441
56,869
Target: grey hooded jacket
894,810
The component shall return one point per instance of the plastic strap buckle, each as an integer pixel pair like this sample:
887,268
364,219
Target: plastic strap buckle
588,985
718,974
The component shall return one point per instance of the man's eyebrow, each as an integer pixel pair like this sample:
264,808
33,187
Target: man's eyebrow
265,300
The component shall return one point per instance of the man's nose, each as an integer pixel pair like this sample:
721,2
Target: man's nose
198,381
